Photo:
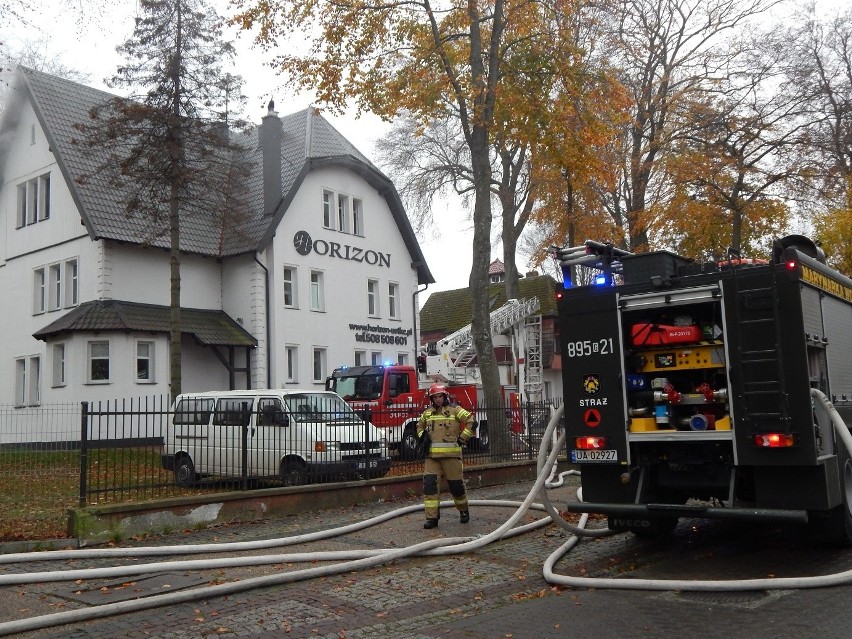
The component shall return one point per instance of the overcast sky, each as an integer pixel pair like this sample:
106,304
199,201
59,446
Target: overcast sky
89,47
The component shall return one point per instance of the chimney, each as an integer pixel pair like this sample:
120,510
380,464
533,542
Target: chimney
269,137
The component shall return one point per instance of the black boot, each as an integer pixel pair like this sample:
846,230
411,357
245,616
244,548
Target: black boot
431,523
464,516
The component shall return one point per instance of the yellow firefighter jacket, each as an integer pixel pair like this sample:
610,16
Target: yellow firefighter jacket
447,426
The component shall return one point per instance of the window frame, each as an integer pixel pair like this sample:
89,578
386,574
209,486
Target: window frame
329,209
373,307
360,358
39,290
150,358
319,364
343,213
290,286
71,283
90,360
317,291
59,368
357,217
54,286
27,387
291,364
393,301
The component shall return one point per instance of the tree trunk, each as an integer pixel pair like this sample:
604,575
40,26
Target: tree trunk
481,321
174,300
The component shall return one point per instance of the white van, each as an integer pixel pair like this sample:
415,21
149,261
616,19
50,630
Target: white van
297,436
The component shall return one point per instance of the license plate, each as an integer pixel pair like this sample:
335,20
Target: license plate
580,456
373,464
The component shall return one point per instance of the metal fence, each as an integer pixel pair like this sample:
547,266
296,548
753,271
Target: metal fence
59,456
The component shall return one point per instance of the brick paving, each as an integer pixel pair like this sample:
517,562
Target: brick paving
495,592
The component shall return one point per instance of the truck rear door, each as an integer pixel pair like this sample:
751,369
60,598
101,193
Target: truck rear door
593,379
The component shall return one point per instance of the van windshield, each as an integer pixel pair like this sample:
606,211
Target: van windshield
319,407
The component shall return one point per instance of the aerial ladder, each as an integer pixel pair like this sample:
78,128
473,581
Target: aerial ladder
456,352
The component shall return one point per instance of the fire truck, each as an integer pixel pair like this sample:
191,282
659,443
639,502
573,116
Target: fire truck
393,396
693,389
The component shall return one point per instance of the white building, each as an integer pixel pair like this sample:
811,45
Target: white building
323,271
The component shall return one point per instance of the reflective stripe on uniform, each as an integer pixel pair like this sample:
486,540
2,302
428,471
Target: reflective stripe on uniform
441,448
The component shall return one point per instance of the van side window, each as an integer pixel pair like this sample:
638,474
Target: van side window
193,410
233,412
270,412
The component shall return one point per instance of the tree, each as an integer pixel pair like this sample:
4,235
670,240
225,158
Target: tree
740,152
424,60
668,51
169,147
820,65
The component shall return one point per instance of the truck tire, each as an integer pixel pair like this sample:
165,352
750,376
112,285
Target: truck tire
185,474
408,445
835,526
294,472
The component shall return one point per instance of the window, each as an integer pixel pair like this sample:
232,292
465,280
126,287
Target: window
193,411
270,412
33,203
372,298
98,356
59,365
328,209
44,197
343,213
376,358
145,362
319,364
357,217
402,359
39,291
54,276
289,287
317,295
27,381
72,286
22,205
393,301
292,364
360,358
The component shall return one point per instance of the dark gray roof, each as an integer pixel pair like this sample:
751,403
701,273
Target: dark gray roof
309,141
211,328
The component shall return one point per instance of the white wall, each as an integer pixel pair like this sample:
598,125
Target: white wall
345,280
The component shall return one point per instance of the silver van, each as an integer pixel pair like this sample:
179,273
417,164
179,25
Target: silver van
297,436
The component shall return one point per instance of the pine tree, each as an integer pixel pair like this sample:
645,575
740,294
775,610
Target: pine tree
170,149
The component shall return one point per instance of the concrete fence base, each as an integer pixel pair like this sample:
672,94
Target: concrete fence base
103,524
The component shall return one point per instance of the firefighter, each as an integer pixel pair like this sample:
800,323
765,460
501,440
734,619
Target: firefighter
449,427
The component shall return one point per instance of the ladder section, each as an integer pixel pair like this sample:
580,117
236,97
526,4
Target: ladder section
502,319
760,357
532,381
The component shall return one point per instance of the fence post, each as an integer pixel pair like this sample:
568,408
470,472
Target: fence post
84,453
244,479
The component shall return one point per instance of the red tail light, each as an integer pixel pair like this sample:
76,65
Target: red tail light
774,440
591,443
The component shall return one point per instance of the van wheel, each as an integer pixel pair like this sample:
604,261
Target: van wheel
294,472
408,445
185,471
481,443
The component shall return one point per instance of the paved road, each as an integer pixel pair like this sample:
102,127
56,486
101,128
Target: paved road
495,592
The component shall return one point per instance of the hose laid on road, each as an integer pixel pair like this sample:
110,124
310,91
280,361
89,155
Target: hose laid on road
368,558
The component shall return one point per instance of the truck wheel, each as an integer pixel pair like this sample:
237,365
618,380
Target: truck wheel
294,472
185,471
408,445
481,443
835,526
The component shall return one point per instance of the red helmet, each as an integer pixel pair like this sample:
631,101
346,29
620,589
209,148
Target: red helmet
437,389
